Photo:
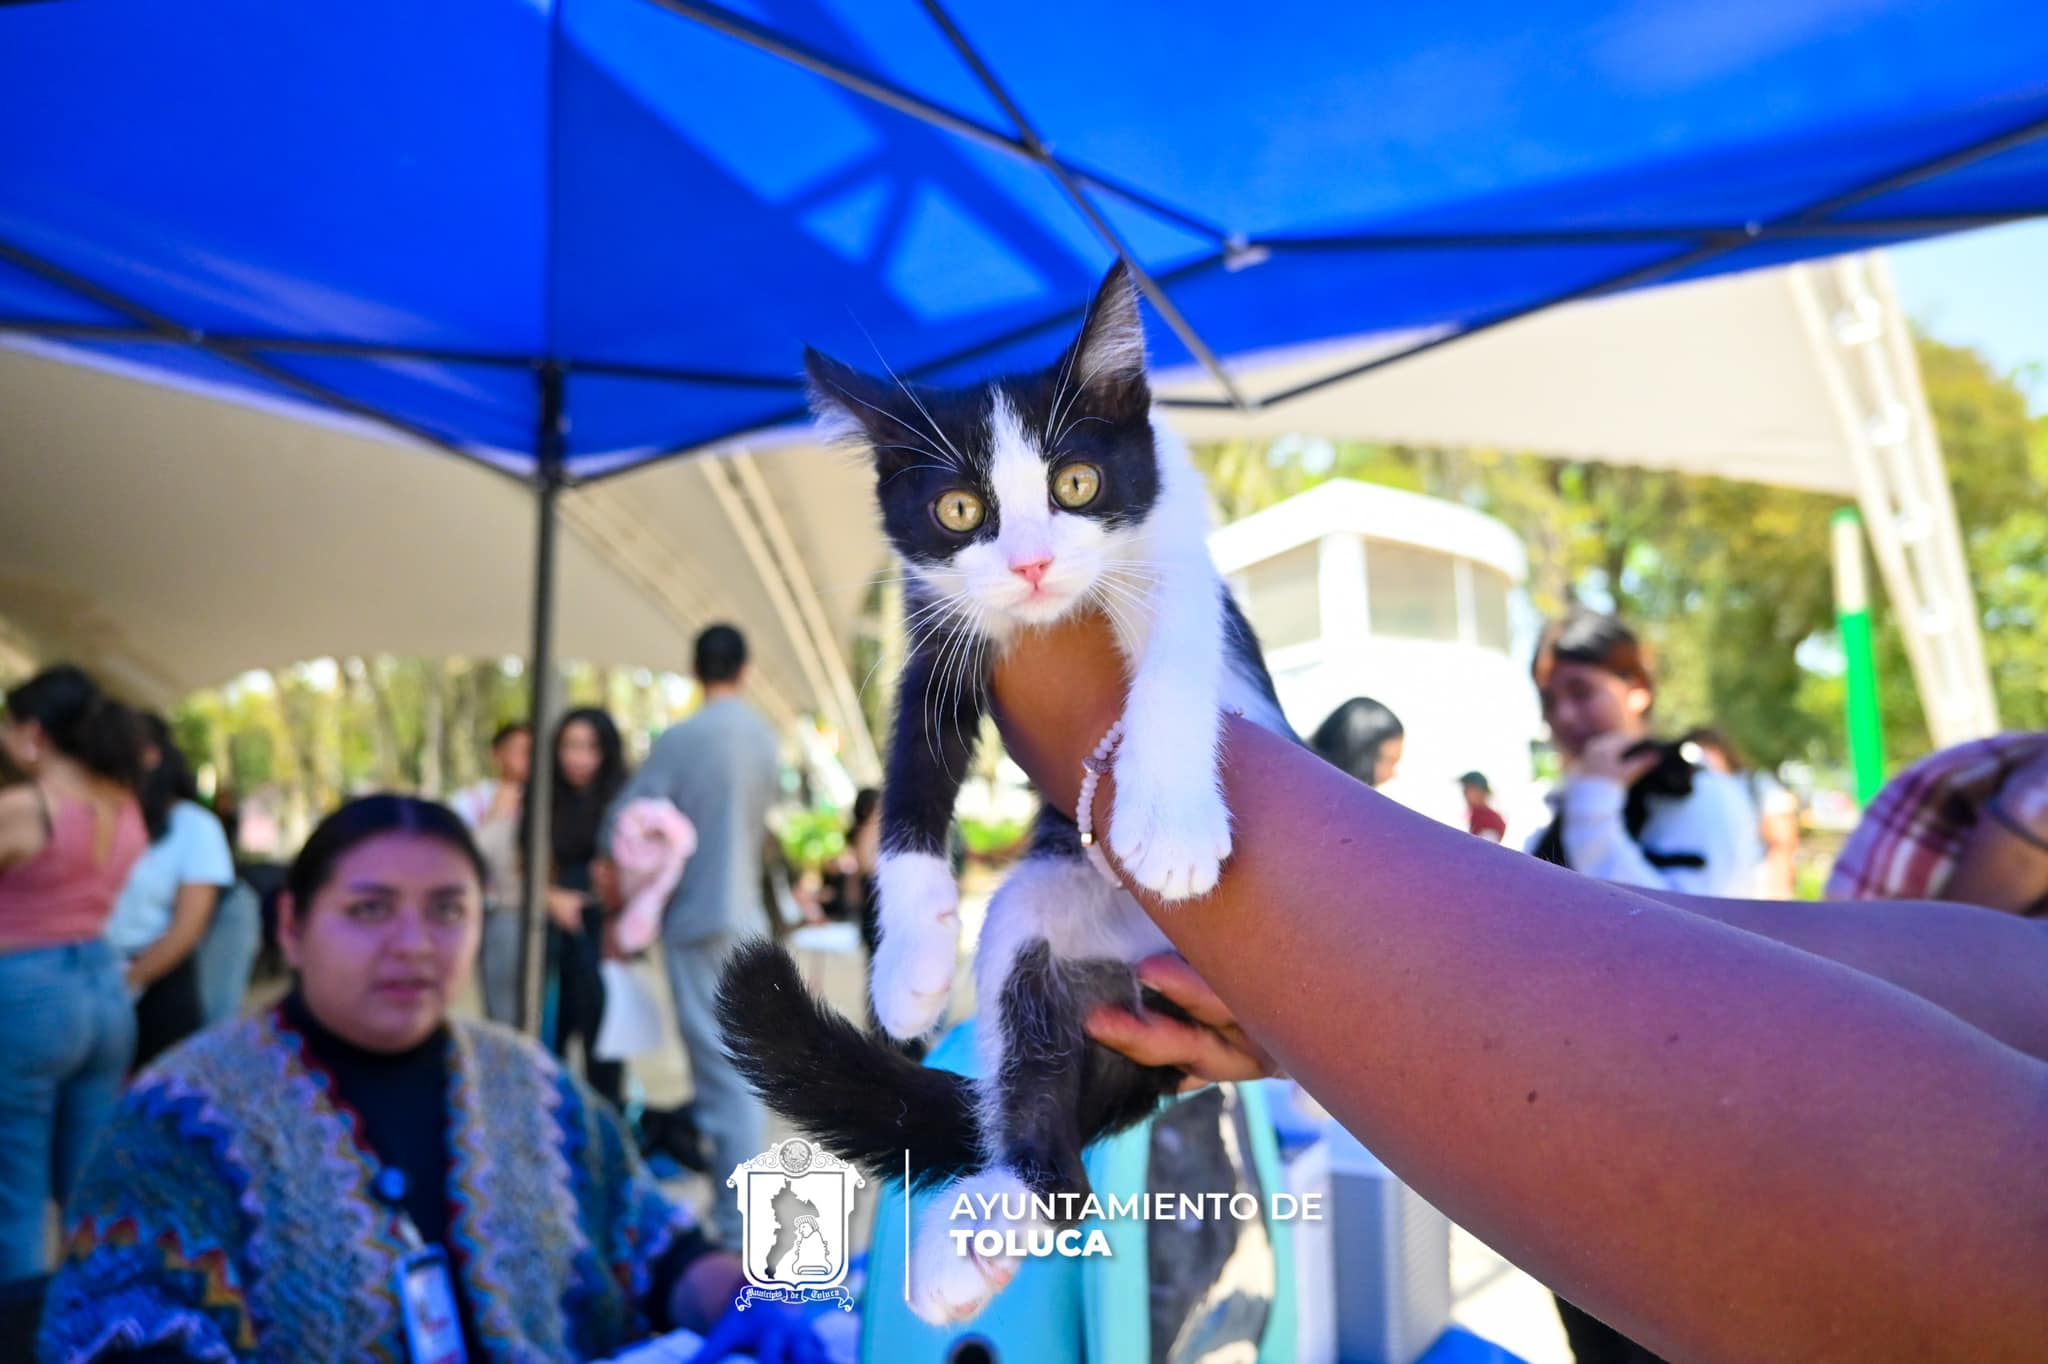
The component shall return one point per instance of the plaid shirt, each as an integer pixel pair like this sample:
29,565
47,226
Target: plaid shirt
1906,846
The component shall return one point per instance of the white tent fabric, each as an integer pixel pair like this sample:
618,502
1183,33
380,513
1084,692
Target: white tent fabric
1714,377
1803,377
172,540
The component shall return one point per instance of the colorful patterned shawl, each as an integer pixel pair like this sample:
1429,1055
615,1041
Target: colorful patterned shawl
227,1213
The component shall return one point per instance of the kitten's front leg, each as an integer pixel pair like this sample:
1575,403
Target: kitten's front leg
917,901
1170,828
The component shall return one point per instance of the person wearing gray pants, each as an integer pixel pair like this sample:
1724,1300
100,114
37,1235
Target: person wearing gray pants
720,769
491,809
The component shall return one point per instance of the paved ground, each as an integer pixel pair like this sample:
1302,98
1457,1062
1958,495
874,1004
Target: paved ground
1494,1300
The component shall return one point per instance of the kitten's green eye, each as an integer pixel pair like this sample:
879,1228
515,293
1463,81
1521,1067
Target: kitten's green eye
959,511
1076,485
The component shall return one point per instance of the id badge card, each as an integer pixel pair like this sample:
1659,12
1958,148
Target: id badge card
426,1301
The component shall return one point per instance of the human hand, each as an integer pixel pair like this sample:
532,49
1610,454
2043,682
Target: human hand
1210,1049
505,802
1057,691
1607,757
767,1332
565,907
604,883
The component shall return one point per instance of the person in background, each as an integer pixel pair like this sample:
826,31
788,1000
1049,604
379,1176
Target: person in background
849,890
491,808
1481,819
264,1184
497,796
227,808
1968,824
69,834
1629,810
1777,811
1364,738
720,769
590,769
227,954
167,905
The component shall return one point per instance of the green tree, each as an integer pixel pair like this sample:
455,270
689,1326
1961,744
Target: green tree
1731,582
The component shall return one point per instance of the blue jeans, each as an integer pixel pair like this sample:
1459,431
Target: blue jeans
228,951
70,1034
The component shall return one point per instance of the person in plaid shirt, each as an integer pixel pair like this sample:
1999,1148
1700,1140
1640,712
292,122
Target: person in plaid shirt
1968,824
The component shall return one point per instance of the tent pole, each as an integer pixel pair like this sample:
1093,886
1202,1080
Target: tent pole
1852,621
540,671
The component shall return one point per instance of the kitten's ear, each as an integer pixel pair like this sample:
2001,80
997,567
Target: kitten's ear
1108,358
849,405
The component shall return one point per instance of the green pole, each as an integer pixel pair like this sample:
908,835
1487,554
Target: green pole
1852,620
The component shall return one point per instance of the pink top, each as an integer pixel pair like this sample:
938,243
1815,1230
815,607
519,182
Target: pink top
64,894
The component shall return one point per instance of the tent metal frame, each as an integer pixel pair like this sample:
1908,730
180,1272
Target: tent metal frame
553,471
1866,366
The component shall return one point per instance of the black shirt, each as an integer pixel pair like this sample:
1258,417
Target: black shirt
397,1103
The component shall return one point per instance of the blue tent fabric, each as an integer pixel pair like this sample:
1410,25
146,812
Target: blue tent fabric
410,210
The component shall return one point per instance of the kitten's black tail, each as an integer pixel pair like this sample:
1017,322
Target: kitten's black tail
861,1098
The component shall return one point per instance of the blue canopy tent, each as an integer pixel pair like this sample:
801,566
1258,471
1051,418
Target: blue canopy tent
564,239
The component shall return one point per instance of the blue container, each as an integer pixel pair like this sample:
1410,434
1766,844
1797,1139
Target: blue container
1094,1310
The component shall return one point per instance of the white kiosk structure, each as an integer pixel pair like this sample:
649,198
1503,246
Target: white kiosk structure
1358,590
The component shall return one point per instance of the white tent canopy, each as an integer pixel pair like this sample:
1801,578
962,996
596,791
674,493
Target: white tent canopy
1803,377
172,540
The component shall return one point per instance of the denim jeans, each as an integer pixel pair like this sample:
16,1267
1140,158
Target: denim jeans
228,951
70,1033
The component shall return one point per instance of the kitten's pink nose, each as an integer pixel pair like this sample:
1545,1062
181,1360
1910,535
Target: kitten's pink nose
1033,572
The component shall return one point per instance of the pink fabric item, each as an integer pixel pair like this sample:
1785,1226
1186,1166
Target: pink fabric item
64,894
651,841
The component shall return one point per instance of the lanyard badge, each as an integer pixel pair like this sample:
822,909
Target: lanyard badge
426,1300
426,1294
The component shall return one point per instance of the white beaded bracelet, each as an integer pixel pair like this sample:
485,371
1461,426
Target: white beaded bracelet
1092,768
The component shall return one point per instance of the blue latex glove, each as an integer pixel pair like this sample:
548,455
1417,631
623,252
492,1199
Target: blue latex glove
767,1332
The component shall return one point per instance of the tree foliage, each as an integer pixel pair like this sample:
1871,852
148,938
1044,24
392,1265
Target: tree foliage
1731,582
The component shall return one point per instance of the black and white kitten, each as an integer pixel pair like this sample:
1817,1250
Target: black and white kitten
1010,505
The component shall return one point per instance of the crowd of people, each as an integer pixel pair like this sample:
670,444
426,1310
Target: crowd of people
242,1184
359,1127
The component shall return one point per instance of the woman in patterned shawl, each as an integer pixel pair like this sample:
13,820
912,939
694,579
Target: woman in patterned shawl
271,1190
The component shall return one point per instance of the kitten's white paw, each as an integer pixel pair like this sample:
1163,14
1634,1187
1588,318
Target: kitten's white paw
1169,829
915,961
951,1283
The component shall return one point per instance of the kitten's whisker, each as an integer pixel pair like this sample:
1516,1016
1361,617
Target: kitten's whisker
1117,595
935,452
1058,395
950,660
960,460
1116,616
933,708
1078,391
921,626
912,468
1076,421
1141,590
1137,597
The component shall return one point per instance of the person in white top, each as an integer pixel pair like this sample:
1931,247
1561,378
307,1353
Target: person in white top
492,809
1630,809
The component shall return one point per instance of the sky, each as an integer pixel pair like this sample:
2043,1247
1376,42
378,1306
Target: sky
1987,290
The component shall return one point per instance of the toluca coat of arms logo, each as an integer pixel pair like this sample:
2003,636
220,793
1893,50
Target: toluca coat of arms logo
796,1200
